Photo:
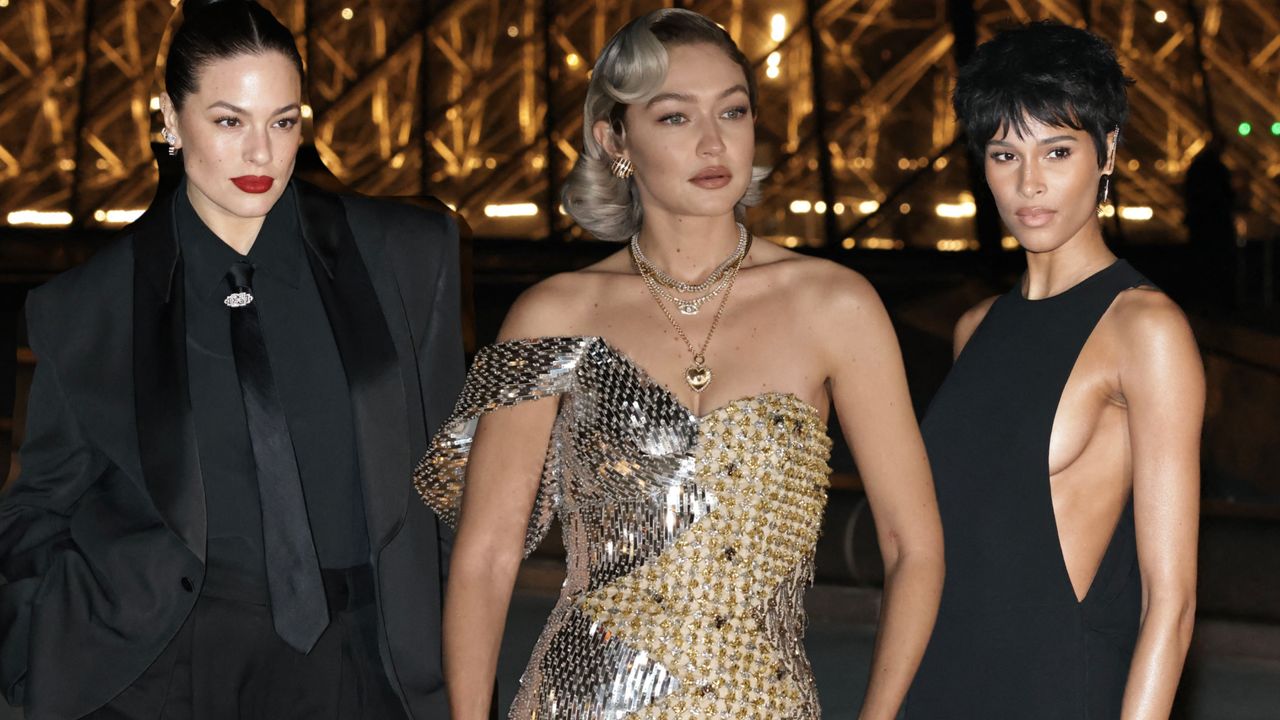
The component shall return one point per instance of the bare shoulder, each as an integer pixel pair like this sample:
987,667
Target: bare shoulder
836,291
849,320
1148,321
559,304
969,322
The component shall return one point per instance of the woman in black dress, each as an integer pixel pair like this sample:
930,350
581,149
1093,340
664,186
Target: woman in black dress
1065,441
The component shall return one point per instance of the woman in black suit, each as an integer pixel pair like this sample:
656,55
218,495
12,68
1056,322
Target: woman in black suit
214,517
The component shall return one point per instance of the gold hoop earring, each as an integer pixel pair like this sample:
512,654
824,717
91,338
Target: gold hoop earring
622,168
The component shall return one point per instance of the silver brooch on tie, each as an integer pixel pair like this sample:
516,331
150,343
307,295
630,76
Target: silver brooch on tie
238,299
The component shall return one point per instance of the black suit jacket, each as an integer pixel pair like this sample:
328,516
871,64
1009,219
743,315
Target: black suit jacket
102,537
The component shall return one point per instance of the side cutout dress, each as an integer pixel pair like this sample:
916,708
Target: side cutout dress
1012,640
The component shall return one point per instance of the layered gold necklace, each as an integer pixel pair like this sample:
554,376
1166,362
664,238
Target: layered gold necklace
719,282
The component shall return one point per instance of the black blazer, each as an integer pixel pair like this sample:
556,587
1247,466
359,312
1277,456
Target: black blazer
102,536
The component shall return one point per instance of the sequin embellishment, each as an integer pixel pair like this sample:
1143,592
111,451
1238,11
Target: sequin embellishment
690,540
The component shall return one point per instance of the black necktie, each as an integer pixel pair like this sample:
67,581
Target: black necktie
298,608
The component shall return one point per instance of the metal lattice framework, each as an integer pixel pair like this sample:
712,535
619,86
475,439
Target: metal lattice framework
478,102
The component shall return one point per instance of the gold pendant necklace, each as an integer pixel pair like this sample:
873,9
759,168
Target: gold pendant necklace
698,376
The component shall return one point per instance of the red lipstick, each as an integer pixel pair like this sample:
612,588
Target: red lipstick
256,184
712,178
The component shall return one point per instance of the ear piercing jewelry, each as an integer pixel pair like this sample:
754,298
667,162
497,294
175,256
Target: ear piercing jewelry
172,141
621,168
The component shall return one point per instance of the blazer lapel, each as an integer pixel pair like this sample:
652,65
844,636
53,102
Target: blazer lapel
166,430
368,356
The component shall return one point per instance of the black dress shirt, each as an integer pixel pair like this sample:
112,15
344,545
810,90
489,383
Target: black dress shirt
313,391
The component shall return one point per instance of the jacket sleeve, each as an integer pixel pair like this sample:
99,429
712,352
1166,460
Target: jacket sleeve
440,357
58,466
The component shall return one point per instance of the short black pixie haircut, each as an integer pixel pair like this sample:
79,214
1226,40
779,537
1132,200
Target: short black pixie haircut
1057,74
219,29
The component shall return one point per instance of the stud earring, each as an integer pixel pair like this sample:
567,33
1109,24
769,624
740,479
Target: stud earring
171,140
622,168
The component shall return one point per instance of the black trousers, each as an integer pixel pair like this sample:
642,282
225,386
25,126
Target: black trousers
227,663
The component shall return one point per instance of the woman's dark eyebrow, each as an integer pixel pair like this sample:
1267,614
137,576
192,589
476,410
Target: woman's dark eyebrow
1042,141
242,111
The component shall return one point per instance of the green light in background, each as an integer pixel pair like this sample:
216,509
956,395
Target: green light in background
1244,128
1275,128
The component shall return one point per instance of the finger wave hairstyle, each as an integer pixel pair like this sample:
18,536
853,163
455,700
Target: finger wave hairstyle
630,70
1059,75
219,29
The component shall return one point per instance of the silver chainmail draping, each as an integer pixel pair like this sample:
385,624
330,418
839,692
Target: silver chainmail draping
690,540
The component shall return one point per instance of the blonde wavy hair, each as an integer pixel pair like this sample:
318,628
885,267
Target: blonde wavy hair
629,71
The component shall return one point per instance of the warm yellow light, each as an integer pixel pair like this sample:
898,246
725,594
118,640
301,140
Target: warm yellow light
956,210
1009,242
838,208
880,243
509,210
866,207
155,99
820,207
778,27
774,59
791,241
66,164
772,72
903,163
1108,211
1139,213
800,207
348,13
306,111
513,31
397,160
904,208
847,243
490,163
572,60
39,217
955,244
1161,16
117,216
941,164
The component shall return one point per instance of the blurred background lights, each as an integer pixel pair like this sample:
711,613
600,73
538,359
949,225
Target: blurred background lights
778,27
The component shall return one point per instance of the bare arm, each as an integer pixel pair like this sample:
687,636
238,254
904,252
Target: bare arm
869,389
1163,383
503,474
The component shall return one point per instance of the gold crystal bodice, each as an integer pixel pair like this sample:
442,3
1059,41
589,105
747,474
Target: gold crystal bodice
690,540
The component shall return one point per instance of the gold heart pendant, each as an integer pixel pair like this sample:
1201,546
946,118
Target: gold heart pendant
698,377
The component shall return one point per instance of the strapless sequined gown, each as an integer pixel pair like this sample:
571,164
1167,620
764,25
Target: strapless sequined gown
690,540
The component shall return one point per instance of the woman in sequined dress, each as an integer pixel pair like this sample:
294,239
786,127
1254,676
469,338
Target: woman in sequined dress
668,405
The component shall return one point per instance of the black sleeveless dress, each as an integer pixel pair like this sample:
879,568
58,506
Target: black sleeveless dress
1011,640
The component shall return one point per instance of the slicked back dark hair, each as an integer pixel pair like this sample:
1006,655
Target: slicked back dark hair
1059,75
217,29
